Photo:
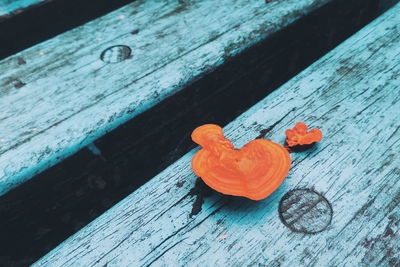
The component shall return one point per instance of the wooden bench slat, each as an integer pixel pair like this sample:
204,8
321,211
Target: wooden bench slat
25,23
352,94
10,7
63,96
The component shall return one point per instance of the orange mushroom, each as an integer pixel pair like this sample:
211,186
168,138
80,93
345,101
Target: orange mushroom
299,135
254,171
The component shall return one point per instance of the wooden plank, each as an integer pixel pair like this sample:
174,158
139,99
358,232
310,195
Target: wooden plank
65,198
67,96
9,8
352,94
25,23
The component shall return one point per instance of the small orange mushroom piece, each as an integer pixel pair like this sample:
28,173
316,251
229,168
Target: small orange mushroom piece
255,171
299,135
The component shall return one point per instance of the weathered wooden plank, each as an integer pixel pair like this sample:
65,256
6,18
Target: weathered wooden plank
25,23
67,96
11,7
65,198
352,94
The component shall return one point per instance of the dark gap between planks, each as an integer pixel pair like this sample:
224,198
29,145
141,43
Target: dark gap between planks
34,24
46,210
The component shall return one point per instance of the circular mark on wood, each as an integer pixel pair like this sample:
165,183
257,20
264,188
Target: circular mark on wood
115,54
305,211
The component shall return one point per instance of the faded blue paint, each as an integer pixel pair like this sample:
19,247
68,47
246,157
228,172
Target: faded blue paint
11,6
353,95
82,98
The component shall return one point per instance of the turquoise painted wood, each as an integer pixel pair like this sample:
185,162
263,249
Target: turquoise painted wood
59,96
10,7
353,95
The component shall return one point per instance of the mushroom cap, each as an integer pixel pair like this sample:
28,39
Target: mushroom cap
299,135
255,171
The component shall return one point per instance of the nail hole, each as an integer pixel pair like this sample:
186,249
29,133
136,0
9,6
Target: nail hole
21,61
136,31
115,54
305,211
18,84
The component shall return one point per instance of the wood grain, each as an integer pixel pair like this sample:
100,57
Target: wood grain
352,94
25,23
11,7
65,96
66,197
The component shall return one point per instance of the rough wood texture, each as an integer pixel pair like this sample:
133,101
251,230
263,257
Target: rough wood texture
11,7
25,23
352,94
64,96
65,198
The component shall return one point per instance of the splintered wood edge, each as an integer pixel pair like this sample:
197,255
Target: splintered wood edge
352,95
66,97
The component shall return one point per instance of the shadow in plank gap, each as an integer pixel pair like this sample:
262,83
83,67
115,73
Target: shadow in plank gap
46,210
